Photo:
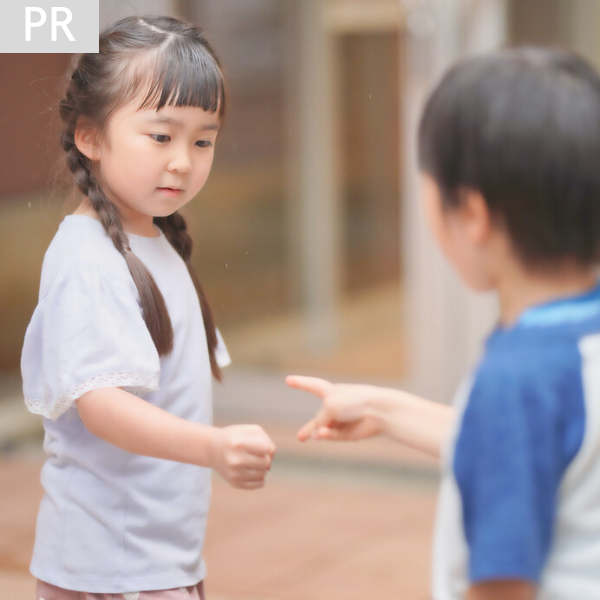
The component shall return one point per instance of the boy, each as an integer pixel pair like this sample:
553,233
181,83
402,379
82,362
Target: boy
509,148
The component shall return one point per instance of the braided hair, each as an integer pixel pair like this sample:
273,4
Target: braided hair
172,61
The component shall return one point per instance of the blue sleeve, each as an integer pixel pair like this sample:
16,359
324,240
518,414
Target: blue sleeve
520,430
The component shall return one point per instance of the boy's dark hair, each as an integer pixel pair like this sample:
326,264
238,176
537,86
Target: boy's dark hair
170,62
522,127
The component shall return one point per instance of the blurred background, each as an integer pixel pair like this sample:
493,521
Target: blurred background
310,244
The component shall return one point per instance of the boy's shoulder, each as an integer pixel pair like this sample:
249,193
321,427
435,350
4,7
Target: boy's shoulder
529,394
541,349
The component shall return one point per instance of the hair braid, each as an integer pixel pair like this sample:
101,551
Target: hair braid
156,315
176,67
175,230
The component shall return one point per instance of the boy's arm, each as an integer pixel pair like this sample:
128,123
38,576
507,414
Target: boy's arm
501,590
353,412
242,454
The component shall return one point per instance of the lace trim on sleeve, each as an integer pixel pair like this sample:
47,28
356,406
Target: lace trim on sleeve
131,381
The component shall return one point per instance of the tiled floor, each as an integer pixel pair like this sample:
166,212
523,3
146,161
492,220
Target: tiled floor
333,524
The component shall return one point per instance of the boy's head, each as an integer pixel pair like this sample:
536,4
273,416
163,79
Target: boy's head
514,137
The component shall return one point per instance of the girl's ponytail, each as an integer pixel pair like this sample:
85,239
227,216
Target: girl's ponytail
175,230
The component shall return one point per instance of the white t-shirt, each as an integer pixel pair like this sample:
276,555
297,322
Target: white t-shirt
111,521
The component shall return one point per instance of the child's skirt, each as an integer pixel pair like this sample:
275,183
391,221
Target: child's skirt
45,591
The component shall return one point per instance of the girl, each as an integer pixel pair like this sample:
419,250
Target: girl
121,317
509,145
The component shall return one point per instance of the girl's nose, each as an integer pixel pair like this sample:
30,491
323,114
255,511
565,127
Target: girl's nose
180,162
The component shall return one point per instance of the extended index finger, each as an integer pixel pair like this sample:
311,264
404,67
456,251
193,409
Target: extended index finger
314,385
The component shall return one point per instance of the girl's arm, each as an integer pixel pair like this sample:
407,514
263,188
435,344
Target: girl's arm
500,590
242,454
354,412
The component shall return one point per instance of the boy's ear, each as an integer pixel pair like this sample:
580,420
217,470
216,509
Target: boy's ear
476,216
86,140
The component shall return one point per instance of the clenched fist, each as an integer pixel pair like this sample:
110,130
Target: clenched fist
242,454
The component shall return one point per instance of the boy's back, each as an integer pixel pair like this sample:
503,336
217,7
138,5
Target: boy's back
521,493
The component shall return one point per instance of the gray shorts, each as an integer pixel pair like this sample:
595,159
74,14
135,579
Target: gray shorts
45,591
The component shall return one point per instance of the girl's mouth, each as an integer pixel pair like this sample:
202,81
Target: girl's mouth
170,192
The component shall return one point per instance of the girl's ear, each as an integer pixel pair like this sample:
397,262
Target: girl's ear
86,140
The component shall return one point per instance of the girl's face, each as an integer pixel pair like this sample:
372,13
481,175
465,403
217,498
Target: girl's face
151,163
464,234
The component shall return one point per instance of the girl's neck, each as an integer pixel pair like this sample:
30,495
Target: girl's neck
146,229
85,208
520,289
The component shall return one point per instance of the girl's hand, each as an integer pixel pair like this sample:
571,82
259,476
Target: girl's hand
345,414
242,454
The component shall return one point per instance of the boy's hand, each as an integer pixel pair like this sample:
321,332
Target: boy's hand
345,414
242,454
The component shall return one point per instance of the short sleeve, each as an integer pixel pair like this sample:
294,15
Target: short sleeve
86,333
517,436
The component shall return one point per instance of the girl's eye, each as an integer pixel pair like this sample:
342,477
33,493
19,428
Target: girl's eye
160,138
203,144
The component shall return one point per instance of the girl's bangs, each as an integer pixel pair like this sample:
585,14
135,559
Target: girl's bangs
184,76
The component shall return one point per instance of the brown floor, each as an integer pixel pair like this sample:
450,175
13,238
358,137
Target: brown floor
334,524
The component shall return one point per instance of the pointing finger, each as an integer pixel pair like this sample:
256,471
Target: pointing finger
313,385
